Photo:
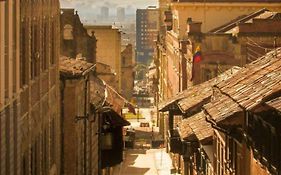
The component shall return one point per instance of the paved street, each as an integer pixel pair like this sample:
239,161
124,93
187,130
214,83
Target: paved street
146,162
142,160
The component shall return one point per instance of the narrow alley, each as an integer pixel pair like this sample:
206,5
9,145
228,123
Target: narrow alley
140,87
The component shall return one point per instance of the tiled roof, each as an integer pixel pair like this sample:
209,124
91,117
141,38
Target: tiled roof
198,126
201,93
256,81
221,108
104,95
114,99
275,103
250,87
165,105
73,67
194,95
97,88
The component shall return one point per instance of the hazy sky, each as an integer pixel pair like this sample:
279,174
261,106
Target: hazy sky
93,6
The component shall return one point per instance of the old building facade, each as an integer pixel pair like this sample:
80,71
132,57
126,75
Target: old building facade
39,80
75,41
176,43
128,74
237,42
79,126
235,130
10,144
106,73
108,38
238,37
29,87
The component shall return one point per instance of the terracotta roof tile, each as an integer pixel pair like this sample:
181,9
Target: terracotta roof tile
74,67
97,90
198,93
221,108
103,94
247,88
196,125
165,105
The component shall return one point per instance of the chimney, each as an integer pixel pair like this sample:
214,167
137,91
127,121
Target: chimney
168,20
193,27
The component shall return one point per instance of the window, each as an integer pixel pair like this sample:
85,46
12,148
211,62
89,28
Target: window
35,55
52,142
207,74
68,32
23,52
123,60
231,155
44,46
44,140
34,158
25,164
219,155
53,43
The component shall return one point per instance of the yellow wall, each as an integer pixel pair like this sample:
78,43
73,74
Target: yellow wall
213,14
108,48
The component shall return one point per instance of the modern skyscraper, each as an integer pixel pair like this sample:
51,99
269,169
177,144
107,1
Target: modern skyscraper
146,33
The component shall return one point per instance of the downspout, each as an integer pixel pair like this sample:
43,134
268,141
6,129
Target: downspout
61,124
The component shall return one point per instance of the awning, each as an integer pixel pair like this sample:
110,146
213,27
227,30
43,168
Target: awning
115,119
196,128
103,95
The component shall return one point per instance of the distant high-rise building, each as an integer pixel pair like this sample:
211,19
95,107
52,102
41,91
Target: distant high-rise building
104,13
120,14
146,33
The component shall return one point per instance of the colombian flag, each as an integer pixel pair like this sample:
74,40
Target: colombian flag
197,57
